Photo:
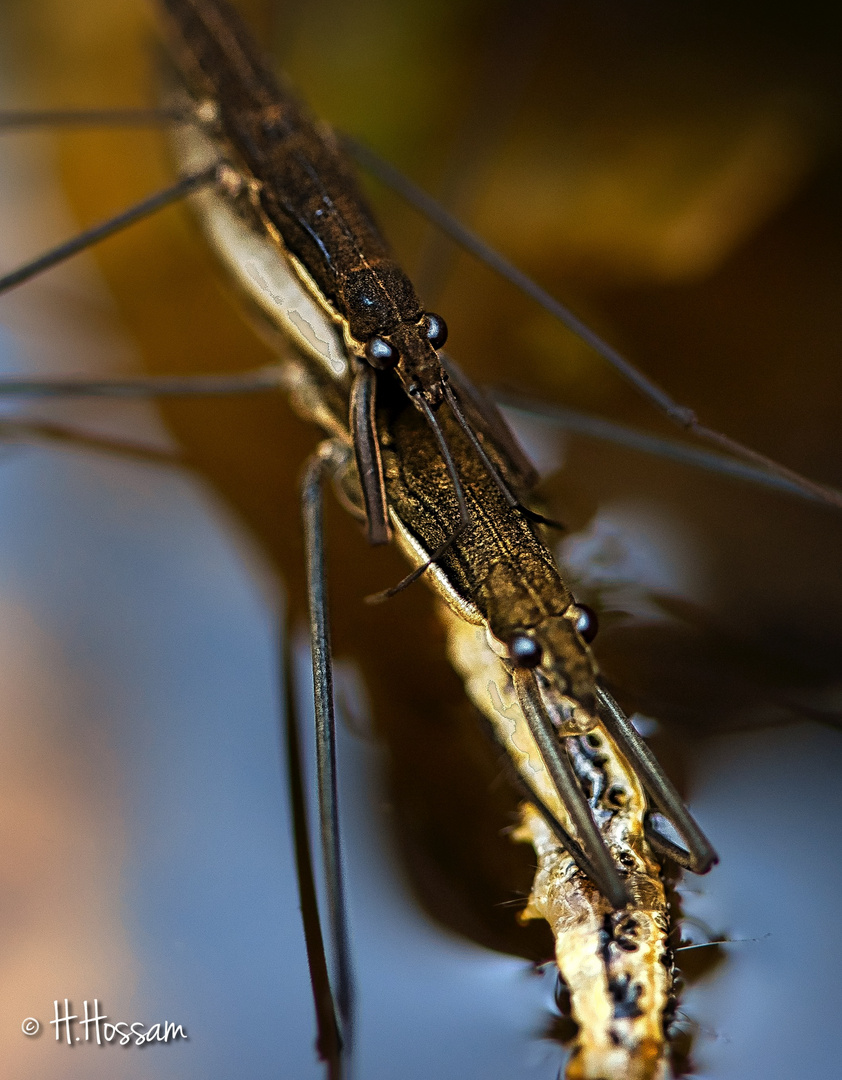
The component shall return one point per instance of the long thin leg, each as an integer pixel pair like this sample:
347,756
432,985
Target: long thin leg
27,119
700,855
472,243
318,465
363,423
272,377
328,1040
404,583
603,871
685,417
107,228
30,432
597,427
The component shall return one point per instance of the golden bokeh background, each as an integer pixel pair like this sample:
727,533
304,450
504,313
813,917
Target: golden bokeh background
673,174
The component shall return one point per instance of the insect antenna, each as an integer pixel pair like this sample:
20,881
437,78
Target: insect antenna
475,245
450,464
107,228
491,468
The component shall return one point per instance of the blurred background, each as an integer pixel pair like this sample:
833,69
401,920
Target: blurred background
672,174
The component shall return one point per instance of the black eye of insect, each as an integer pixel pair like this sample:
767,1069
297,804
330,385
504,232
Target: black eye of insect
524,651
380,354
436,330
587,624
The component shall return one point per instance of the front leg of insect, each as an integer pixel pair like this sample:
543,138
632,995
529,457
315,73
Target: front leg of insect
616,965
501,576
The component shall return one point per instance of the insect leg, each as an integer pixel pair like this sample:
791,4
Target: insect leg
700,855
363,424
320,464
598,428
107,228
602,870
329,1043
272,377
27,119
681,415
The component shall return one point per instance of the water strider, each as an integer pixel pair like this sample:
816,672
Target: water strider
497,573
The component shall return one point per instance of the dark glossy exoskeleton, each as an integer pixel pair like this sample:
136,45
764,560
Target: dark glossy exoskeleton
676,339
305,194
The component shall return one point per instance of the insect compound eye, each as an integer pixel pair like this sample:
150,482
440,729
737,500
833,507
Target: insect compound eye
586,622
435,329
524,651
380,354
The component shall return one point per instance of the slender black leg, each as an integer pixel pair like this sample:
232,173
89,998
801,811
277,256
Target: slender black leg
601,430
442,549
679,414
602,871
363,424
108,228
26,119
323,462
270,378
700,855
328,1040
